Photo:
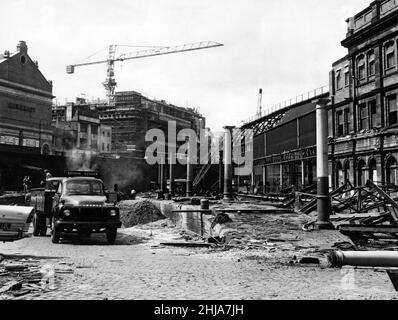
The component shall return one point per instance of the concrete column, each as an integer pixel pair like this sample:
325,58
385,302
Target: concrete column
302,173
221,174
228,162
189,176
281,176
323,203
264,178
161,178
89,136
171,173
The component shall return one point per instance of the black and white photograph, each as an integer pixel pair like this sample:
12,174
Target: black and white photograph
208,151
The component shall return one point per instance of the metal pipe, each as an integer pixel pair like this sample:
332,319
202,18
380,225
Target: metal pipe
387,259
323,197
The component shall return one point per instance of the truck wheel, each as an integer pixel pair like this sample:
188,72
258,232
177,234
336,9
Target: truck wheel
111,234
55,232
36,226
43,229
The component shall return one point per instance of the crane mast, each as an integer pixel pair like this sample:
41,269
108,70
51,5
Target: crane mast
110,82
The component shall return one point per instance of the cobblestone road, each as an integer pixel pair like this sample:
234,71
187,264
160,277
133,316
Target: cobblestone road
135,268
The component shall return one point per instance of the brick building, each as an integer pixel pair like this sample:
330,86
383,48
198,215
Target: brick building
25,104
363,114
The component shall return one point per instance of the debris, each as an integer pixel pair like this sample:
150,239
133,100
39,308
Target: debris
20,293
15,267
309,260
188,244
139,212
11,285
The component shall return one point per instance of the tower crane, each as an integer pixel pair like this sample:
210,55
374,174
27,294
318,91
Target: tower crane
110,82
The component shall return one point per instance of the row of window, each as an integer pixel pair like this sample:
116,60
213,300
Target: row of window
343,172
367,116
366,65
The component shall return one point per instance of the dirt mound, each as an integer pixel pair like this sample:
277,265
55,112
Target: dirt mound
139,212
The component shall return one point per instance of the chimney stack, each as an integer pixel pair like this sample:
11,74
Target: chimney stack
22,47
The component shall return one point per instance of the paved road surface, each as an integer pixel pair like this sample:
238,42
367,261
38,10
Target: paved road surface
136,269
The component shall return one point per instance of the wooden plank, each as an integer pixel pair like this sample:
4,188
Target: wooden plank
372,229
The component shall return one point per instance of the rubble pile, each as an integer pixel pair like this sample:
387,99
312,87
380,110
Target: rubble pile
139,212
19,276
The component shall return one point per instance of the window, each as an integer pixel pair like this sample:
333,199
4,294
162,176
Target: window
363,116
361,175
347,172
372,170
339,123
392,171
339,174
373,113
392,110
361,67
346,76
347,121
389,55
371,63
94,129
338,79
83,127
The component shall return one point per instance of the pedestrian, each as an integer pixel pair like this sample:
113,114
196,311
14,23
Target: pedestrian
25,184
48,174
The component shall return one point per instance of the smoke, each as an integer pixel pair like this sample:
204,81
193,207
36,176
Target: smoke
80,160
127,173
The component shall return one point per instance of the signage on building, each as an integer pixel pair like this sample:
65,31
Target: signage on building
33,143
295,155
9,140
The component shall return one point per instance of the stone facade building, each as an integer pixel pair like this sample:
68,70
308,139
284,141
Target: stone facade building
25,104
363,114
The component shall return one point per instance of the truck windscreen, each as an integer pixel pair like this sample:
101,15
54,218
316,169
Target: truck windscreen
84,187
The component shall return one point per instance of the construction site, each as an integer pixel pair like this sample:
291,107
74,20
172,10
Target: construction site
300,201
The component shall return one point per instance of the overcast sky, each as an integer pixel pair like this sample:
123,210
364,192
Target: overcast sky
285,47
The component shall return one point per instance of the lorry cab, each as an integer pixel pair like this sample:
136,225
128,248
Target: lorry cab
78,203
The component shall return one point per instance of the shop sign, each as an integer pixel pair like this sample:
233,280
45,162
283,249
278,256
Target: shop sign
33,143
9,140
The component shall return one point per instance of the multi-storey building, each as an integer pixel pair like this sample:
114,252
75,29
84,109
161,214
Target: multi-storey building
133,114
25,104
363,114
78,128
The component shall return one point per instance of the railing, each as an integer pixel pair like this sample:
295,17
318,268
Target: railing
298,99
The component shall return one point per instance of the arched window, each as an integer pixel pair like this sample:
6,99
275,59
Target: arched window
392,171
373,170
339,174
361,173
361,72
371,63
346,171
